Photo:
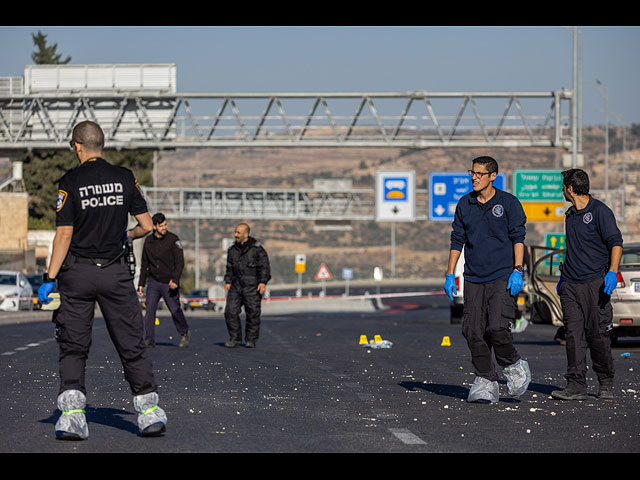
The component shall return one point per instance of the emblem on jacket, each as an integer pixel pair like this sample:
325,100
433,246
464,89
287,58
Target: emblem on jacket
587,217
62,197
498,211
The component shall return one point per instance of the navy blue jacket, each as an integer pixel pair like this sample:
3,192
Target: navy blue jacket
488,233
591,234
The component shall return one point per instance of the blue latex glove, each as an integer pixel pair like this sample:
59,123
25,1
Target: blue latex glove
558,286
44,291
610,282
450,285
514,285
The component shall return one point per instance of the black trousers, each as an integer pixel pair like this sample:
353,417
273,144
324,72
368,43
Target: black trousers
80,287
588,318
488,314
237,297
155,290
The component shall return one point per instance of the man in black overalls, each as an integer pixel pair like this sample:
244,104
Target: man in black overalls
490,225
88,262
245,279
589,276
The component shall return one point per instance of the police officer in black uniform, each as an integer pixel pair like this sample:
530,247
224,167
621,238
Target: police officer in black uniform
490,225
589,276
245,279
88,263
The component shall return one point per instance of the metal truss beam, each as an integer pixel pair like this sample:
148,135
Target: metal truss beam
293,204
416,119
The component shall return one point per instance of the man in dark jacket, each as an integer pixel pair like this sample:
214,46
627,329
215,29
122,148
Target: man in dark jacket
245,281
162,262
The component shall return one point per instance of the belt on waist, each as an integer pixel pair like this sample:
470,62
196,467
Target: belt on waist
99,262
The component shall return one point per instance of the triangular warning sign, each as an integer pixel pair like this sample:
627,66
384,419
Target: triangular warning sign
323,273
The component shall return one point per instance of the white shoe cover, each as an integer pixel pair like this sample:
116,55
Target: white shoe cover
151,418
72,424
484,391
518,377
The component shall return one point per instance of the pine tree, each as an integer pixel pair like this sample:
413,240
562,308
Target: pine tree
46,55
43,169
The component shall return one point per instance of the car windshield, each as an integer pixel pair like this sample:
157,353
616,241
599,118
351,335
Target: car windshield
199,293
7,279
35,280
630,256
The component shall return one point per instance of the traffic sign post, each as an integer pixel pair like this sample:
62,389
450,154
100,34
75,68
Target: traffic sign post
378,274
300,268
395,196
540,193
447,188
555,241
323,274
347,274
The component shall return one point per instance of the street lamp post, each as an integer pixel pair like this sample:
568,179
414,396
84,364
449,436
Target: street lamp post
606,135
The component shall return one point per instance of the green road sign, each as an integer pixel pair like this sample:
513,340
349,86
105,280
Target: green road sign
538,185
555,241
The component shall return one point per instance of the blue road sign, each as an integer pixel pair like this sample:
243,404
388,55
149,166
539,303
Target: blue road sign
446,188
347,273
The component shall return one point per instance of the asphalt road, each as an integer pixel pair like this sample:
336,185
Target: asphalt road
309,387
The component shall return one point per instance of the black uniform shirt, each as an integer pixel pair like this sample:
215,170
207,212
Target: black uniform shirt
488,232
591,234
162,258
96,198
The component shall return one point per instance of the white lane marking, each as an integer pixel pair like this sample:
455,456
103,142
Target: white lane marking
28,345
405,436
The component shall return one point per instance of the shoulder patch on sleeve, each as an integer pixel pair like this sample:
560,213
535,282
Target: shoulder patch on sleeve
138,187
62,198
179,244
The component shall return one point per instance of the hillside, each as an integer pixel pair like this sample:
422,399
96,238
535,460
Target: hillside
421,247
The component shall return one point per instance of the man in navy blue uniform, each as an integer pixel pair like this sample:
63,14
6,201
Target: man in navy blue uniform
490,225
589,276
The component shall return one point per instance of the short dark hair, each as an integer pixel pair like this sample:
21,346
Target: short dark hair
577,179
489,162
158,218
89,134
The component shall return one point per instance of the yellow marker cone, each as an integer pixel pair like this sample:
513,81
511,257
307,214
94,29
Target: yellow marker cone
157,321
377,338
363,340
446,342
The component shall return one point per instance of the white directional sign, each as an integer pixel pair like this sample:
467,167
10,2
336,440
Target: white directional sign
395,196
301,263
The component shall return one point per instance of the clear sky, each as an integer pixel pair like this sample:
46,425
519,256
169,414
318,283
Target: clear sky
361,58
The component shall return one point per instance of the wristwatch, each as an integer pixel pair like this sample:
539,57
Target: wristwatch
46,279
519,268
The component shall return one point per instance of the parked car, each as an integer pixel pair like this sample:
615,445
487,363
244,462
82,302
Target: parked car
196,299
544,302
15,291
35,279
625,299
